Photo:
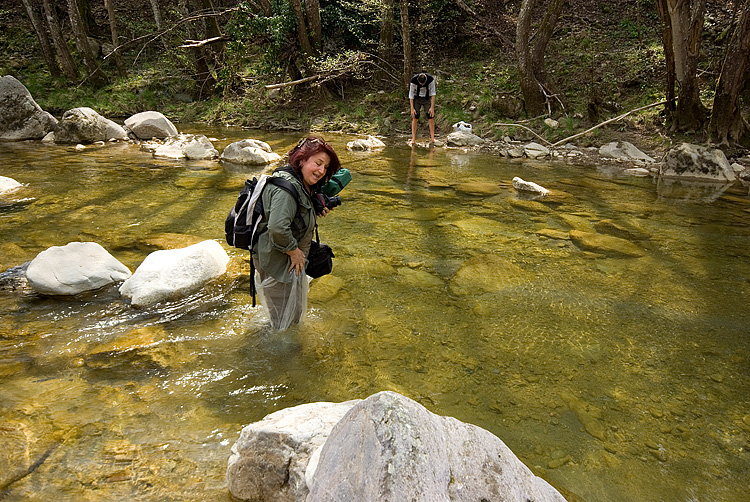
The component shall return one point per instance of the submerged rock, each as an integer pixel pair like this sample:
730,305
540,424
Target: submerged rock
485,274
605,244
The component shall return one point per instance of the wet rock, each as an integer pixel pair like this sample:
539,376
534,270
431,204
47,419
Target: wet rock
325,288
175,273
621,230
529,187
530,205
587,414
74,268
577,222
249,152
551,233
389,447
605,244
697,162
419,279
21,118
365,145
187,146
84,125
486,273
149,125
478,188
624,151
535,151
269,460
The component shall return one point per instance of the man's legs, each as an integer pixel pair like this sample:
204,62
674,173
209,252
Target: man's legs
432,129
414,122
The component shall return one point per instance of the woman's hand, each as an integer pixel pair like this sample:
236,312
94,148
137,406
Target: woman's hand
325,211
298,260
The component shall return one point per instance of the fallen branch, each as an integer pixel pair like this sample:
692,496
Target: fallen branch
522,127
563,141
200,43
293,82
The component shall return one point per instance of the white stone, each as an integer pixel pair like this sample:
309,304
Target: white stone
187,146
249,151
74,268
624,151
529,186
271,458
535,150
150,124
175,273
463,138
551,123
463,126
8,184
371,143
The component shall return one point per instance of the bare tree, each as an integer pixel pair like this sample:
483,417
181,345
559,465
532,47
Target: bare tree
682,25
43,38
157,14
726,124
96,74
109,4
530,58
406,39
61,46
385,46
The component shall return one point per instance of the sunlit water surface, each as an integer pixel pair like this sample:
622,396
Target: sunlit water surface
614,378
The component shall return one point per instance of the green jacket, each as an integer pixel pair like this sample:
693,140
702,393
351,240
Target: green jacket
285,225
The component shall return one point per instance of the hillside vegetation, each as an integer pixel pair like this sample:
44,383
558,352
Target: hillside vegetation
604,58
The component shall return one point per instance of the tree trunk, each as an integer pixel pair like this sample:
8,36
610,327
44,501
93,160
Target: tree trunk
406,38
203,77
304,40
726,124
157,14
543,36
385,46
61,46
41,35
533,96
96,75
109,4
661,9
313,17
684,20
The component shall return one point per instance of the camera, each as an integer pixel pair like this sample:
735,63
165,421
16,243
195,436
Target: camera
322,201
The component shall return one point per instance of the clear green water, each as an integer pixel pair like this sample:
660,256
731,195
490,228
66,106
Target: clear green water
615,379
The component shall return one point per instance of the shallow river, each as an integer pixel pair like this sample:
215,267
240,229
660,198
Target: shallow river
615,378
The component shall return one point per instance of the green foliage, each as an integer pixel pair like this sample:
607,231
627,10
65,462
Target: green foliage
350,23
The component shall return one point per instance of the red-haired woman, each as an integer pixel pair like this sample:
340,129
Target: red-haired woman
286,231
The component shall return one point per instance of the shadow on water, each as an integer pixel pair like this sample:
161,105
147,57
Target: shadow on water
615,377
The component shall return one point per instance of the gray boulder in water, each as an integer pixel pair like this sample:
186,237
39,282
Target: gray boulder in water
84,125
694,162
21,118
149,125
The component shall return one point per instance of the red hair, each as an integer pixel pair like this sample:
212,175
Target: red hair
306,148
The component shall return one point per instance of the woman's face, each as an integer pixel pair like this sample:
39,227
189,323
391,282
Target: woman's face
314,168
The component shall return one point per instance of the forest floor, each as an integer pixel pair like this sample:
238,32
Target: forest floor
604,59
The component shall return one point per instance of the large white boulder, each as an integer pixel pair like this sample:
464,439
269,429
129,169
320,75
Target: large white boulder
21,117
270,458
170,274
463,138
84,125
74,268
694,162
386,447
187,146
249,151
149,125
8,185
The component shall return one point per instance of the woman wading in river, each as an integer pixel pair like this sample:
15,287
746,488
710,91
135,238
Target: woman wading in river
286,231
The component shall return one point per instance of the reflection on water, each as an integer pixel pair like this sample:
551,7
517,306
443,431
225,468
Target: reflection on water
617,374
